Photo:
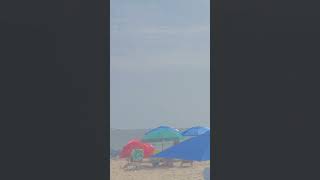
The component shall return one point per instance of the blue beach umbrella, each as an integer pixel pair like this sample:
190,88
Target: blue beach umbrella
194,149
195,131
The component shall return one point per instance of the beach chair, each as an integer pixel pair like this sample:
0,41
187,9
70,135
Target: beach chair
155,162
168,162
135,160
186,162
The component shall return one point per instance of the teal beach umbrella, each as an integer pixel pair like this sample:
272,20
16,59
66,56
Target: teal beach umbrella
161,134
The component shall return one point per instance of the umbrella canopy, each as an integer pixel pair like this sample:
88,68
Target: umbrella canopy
194,149
136,144
195,131
162,127
162,133
114,153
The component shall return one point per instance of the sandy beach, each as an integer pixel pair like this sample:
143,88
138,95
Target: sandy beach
160,173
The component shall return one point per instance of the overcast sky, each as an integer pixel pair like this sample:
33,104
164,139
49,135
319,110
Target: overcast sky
160,72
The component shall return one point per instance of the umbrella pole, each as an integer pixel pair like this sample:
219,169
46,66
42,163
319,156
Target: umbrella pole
162,145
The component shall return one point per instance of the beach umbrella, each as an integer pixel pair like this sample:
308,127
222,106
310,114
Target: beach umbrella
195,131
114,153
161,134
136,144
162,128
194,149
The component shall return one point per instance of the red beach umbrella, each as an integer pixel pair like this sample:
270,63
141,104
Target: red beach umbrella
137,144
148,150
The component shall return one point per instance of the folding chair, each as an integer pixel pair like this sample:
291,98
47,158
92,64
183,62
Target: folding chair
186,161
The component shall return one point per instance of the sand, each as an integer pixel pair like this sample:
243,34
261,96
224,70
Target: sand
159,173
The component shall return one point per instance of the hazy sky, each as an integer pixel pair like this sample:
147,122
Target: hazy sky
160,72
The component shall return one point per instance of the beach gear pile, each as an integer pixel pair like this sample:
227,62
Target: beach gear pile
196,148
